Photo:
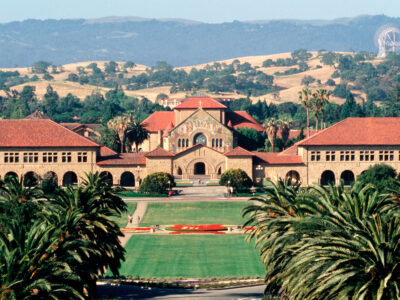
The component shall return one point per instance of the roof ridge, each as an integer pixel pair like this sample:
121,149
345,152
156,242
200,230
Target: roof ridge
77,134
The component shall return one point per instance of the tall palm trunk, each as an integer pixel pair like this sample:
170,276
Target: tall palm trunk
316,122
308,122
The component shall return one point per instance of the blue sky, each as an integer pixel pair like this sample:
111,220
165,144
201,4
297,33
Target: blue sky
212,11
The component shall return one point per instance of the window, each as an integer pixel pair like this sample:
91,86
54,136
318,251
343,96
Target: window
179,143
11,157
82,156
50,157
31,157
347,155
367,155
187,142
212,142
66,157
315,156
216,142
330,156
386,155
220,142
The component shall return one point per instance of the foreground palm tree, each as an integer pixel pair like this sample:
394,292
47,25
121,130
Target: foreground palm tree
305,101
320,99
136,134
271,126
284,127
328,243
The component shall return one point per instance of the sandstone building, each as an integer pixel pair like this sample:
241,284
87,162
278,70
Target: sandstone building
197,140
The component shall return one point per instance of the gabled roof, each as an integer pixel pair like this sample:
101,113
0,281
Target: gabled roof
358,131
159,120
124,159
39,133
168,129
239,151
278,158
159,152
105,151
242,119
204,102
37,115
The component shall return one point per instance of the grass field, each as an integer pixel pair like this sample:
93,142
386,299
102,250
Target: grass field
123,220
218,212
208,256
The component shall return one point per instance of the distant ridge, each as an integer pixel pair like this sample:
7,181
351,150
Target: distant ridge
179,42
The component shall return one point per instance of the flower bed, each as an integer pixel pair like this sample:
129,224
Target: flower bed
197,232
196,228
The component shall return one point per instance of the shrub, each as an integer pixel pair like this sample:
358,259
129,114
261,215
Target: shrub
380,175
238,179
158,183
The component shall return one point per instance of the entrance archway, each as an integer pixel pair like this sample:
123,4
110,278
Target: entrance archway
199,168
51,177
69,178
31,179
11,174
327,178
347,177
293,176
127,179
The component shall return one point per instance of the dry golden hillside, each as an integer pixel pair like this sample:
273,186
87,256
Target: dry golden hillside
290,84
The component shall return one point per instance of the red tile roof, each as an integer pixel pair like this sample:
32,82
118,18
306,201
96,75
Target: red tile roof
358,131
159,120
239,151
159,152
39,133
278,158
170,126
195,102
105,151
124,159
242,119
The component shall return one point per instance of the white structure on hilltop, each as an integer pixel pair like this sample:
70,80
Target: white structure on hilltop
387,39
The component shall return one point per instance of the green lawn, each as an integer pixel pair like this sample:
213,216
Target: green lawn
123,220
207,256
218,212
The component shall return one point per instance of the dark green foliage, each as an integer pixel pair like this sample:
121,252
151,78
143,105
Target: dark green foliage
350,108
40,67
158,183
330,82
237,179
382,176
250,139
307,80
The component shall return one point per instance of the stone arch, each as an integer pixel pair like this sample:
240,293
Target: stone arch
220,168
31,179
50,175
327,177
108,177
200,138
69,178
11,174
127,179
293,176
199,168
179,171
347,176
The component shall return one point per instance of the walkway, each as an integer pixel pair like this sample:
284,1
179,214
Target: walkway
137,218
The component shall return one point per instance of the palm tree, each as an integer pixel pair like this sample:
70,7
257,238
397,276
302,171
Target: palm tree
120,125
327,243
285,130
271,126
320,99
136,134
305,101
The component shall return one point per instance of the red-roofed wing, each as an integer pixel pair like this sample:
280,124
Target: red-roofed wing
239,151
159,152
242,119
278,159
124,159
39,133
203,102
159,120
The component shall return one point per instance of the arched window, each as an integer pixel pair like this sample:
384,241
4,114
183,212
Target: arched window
347,177
179,171
69,178
179,142
216,142
200,138
327,178
11,174
127,179
293,176
219,170
187,142
212,142
220,142
108,177
31,179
